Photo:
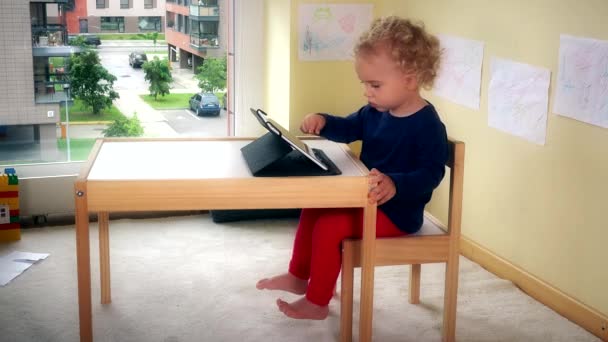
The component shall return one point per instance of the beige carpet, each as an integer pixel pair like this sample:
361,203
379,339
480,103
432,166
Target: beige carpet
187,279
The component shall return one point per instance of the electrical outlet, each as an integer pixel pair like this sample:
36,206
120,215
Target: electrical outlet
50,113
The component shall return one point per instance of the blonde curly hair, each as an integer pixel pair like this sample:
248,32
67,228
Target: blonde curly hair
414,49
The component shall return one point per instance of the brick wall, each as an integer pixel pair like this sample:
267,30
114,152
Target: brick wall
17,104
73,17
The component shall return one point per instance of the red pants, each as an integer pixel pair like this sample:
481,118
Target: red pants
317,250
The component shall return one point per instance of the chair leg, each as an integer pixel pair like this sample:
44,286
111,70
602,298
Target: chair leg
450,297
415,284
346,297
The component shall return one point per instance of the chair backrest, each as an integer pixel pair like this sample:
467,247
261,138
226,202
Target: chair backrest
456,164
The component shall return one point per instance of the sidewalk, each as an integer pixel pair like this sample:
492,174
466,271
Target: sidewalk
133,43
183,80
155,125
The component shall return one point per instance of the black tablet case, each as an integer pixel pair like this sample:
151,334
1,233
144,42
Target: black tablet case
271,156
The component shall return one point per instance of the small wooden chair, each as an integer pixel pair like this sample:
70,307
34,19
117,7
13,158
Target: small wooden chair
420,248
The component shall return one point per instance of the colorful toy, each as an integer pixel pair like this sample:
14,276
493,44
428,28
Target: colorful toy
10,226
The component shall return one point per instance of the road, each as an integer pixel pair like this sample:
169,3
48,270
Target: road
185,123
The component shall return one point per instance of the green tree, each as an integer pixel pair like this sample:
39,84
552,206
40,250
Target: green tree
91,82
212,75
158,74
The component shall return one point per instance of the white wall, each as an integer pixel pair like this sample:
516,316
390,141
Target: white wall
248,64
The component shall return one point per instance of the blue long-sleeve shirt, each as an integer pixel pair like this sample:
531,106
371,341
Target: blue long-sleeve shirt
411,150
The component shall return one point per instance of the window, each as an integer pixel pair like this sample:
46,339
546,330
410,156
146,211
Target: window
125,4
44,142
149,24
113,24
170,18
148,4
205,27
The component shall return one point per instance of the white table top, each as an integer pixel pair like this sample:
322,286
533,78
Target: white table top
193,159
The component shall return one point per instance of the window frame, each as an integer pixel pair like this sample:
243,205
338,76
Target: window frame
118,21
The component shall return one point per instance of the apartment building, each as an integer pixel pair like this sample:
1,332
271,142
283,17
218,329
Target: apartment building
122,16
196,30
33,69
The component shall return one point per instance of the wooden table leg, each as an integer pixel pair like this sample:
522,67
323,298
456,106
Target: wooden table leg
103,219
83,262
367,273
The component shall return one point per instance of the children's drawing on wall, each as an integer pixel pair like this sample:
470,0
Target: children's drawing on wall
518,98
582,80
459,78
328,32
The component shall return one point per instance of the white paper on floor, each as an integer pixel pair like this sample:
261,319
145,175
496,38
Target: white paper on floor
14,264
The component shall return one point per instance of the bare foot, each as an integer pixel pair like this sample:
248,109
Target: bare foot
303,309
284,282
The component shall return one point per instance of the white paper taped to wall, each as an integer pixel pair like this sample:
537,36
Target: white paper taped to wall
329,31
581,91
459,76
518,98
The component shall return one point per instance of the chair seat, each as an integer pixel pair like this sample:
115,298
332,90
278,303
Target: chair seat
428,245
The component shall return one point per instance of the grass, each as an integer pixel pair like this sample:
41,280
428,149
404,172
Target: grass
170,101
79,148
79,112
126,36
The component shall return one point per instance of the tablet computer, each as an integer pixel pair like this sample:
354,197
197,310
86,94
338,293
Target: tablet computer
297,144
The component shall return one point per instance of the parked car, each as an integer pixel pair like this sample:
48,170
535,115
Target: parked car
205,104
89,39
137,59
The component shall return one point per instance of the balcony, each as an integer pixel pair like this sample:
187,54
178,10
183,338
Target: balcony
204,11
49,35
49,92
202,41
50,40
50,74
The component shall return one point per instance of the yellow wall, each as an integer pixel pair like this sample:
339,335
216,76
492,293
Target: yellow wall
543,208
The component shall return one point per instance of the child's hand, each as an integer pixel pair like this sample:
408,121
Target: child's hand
382,187
313,124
